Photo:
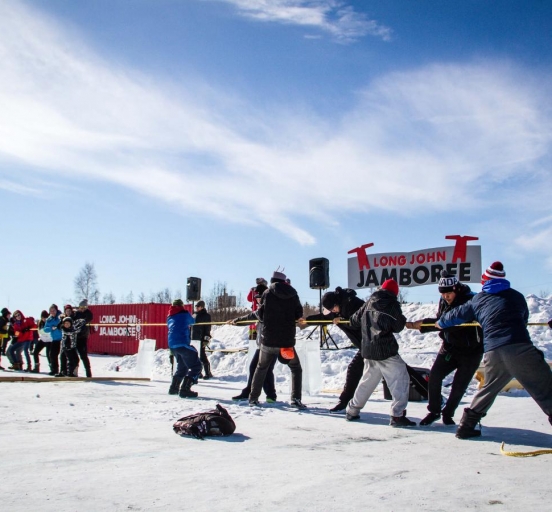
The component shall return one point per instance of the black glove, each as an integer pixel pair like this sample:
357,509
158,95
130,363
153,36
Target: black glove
26,329
550,324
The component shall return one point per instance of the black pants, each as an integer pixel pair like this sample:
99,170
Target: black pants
205,360
39,345
465,366
267,358
52,352
354,374
82,350
268,384
70,361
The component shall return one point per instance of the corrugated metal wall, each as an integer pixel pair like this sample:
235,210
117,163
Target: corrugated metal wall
113,331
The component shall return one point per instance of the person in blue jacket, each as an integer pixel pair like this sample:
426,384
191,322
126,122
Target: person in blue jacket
188,365
502,313
52,327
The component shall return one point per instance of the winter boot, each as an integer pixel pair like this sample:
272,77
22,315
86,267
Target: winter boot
207,371
185,391
401,421
340,407
297,404
241,396
36,369
447,419
352,417
16,367
429,419
469,420
175,386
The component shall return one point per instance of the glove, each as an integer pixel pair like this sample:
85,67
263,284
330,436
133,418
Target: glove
207,338
550,324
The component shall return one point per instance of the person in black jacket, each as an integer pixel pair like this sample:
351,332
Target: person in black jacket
342,304
279,311
378,319
82,318
6,330
69,337
202,333
461,350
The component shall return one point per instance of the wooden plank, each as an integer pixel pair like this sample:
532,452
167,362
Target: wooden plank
21,378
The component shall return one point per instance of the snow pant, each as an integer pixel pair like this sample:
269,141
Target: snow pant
187,364
204,359
39,345
393,370
70,361
52,353
4,347
268,384
15,349
82,350
267,359
354,374
522,361
445,364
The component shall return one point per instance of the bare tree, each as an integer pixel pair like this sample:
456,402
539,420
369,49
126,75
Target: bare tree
108,298
86,284
142,298
130,298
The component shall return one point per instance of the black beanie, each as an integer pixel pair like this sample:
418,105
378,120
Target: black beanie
329,300
448,282
5,312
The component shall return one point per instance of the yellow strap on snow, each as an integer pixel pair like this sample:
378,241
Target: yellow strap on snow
523,454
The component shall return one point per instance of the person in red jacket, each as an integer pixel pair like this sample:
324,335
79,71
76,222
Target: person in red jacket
261,281
22,328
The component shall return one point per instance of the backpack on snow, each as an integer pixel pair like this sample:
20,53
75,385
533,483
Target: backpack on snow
216,422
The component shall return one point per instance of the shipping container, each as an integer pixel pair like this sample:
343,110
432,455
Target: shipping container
117,328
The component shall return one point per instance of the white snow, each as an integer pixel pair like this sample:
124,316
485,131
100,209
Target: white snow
94,446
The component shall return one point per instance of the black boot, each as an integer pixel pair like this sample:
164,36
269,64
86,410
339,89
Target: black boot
466,429
175,386
429,419
36,369
185,391
207,371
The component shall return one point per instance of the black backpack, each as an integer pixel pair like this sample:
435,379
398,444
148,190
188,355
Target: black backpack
216,422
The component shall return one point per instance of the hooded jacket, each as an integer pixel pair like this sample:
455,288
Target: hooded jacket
501,311
68,335
200,332
279,311
457,340
52,327
378,319
22,328
178,323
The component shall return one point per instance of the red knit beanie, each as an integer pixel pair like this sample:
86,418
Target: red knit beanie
495,271
391,286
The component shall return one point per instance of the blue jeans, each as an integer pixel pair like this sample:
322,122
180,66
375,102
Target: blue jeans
187,363
15,349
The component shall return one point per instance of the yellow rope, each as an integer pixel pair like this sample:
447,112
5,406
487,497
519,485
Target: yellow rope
523,454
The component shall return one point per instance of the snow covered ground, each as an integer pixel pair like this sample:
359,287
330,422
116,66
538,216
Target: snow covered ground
94,446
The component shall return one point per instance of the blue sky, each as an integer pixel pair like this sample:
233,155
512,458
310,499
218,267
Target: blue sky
161,139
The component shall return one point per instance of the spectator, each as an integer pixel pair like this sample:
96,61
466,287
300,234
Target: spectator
188,365
203,334
503,314
255,305
68,312
378,319
279,311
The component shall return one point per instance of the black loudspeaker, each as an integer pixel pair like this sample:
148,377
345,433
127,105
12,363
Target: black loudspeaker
193,289
319,273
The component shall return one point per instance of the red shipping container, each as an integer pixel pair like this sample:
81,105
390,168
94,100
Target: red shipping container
118,328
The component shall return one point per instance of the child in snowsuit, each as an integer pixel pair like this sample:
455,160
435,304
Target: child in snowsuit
69,355
378,319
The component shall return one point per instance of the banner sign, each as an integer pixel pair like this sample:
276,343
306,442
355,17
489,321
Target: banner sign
417,268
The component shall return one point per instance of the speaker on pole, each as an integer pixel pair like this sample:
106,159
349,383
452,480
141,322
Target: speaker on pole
319,273
193,289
